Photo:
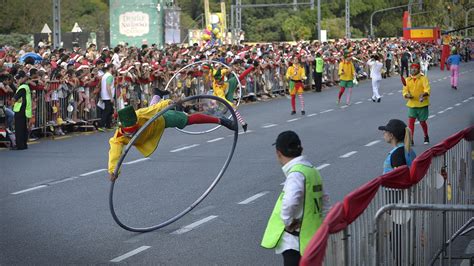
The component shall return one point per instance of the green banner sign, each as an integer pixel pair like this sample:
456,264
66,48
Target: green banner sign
137,22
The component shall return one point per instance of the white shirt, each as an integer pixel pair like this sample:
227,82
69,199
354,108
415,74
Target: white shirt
293,201
116,61
375,69
104,94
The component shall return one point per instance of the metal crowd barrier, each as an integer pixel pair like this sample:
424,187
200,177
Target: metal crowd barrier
409,238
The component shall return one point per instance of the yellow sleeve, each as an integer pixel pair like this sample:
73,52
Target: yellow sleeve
426,86
115,151
302,74
404,91
339,71
148,112
287,76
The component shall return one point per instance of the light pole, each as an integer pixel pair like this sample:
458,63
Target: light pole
348,19
56,23
466,20
319,20
382,10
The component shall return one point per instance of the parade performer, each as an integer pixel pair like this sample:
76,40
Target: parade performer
416,90
376,76
296,76
225,89
346,76
445,50
131,121
301,206
453,61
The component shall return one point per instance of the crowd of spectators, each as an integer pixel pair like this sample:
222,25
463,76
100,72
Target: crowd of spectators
65,84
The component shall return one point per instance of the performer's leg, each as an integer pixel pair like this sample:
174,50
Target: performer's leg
241,120
455,75
202,119
411,125
424,126
341,92
293,103
348,96
300,97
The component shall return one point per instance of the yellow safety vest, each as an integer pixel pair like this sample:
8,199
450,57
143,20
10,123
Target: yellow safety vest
312,211
17,106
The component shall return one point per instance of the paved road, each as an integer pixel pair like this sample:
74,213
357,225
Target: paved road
54,196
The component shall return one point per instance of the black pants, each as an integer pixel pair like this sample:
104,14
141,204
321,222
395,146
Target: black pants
291,257
404,67
21,130
318,80
388,65
106,119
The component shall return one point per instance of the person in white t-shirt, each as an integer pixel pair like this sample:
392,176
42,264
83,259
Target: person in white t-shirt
376,76
107,95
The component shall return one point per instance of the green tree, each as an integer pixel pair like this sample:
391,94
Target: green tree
296,28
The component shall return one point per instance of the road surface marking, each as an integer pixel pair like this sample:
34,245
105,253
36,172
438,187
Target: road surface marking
390,93
270,125
344,106
439,79
253,198
326,111
214,140
94,172
457,104
445,77
131,253
399,90
190,227
431,116
310,115
62,137
63,180
243,132
349,154
449,108
359,102
292,120
137,161
417,122
28,189
322,166
440,112
372,143
185,148
465,101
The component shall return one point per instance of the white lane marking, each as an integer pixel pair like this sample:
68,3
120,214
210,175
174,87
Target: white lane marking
190,227
440,112
28,189
292,120
214,140
445,77
270,125
185,148
372,143
344,106
370,99
322,166
471,98
63,180
399,90
310,115
465,101
439,79
93,172
449,108
243,132
131,253
431,116
457,104
254,197
137,161
359,102
326,111
349,154
390,93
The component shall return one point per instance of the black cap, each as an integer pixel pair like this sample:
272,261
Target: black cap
396,127
289,144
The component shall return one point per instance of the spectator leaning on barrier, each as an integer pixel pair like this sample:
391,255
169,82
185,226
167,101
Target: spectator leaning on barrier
301,206
416,91
398,135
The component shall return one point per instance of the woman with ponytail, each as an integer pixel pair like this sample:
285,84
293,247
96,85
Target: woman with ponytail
398,135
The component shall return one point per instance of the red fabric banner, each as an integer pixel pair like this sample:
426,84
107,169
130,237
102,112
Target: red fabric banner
354,204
